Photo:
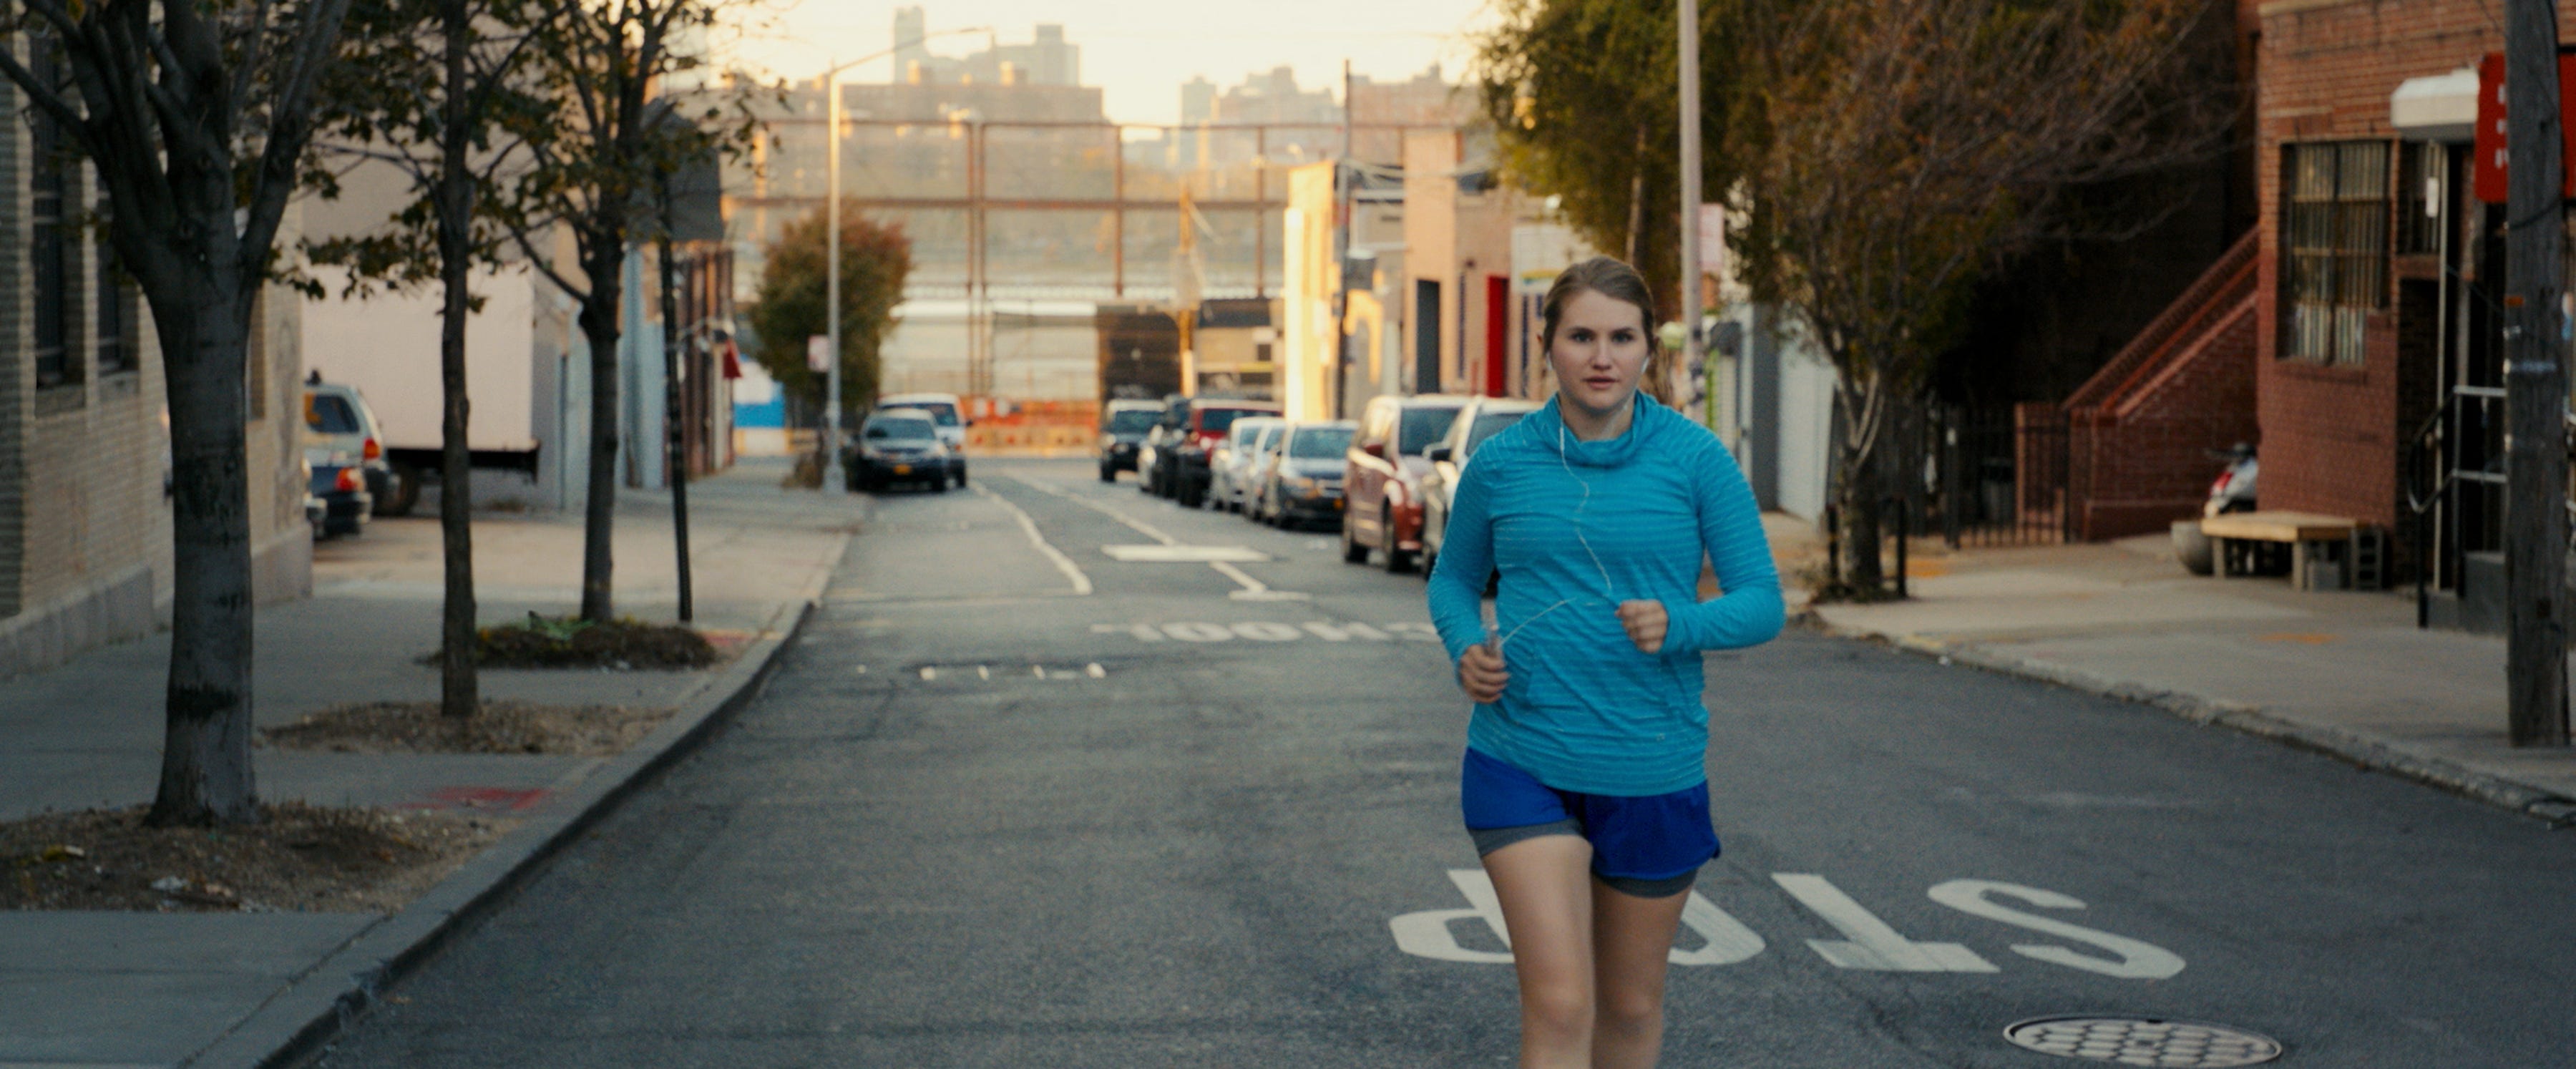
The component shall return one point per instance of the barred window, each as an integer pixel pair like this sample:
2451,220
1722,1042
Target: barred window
113,332
2334,243
48,230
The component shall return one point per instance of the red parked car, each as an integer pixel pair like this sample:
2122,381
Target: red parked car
1382,476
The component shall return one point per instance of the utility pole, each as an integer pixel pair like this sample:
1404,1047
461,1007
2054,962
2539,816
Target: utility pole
1691,341
675,449
1347,175
2535,379
833,479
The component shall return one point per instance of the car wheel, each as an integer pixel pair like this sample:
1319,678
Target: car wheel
961,476
939,484
1108,474
403,494
1398,561
1353,551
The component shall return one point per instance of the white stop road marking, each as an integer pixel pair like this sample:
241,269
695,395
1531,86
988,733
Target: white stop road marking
1869,943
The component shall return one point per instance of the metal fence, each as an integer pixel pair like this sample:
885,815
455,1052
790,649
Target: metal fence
1981,476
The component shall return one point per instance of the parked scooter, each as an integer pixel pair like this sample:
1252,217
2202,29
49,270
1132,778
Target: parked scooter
2232,491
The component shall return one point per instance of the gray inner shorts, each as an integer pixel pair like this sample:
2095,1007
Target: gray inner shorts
1489,840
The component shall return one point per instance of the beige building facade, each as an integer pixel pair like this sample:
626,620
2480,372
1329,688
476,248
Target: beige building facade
85,544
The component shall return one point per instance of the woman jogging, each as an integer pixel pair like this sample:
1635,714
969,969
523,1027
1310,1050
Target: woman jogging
1584,785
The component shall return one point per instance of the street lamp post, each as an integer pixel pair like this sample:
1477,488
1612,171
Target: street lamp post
832,475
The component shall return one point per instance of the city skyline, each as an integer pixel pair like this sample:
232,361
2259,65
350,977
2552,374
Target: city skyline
1139,54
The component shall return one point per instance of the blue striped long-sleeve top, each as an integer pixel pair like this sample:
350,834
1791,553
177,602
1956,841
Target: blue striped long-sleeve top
1575,528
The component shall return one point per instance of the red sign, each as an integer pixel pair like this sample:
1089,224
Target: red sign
2488,168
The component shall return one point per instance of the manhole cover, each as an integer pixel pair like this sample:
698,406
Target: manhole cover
2143,1041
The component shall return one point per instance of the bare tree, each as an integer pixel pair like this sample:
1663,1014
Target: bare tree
594,172
1907,146
433,89
197,116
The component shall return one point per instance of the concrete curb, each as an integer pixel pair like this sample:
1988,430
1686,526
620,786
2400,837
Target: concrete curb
299,1020
2355,748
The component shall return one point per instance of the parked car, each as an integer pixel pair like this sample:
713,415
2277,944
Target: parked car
1261,461
1122,428
1481,419
945,416
339,487
1305,486
339,423
1230,463
1157,456
1208,422
1384,477
897,445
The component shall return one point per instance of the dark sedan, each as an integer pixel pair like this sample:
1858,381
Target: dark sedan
1123,426
1305,487
897,445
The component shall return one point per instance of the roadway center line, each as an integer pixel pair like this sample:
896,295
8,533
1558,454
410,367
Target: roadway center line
1081,582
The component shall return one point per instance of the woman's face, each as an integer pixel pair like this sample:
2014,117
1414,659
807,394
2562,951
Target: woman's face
1598,352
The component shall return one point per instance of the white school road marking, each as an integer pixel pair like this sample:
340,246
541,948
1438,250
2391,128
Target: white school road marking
1081,582
1428,934
1868,942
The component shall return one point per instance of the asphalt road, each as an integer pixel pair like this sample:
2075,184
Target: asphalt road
1196,818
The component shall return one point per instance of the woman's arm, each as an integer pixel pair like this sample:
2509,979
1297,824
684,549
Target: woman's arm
1749,613
1466,558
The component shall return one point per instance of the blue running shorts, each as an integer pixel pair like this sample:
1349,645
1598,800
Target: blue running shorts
1649,847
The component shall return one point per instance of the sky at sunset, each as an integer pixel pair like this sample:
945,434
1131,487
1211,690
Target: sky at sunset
1139,51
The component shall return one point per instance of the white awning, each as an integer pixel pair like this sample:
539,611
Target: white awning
2436,107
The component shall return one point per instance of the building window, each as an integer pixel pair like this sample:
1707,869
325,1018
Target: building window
113,333
2334,245
48,232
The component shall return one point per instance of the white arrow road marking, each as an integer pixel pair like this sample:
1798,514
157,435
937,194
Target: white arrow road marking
1081,582
1184,554
1871,944
1221,558
1253,589
2137,960
1427,934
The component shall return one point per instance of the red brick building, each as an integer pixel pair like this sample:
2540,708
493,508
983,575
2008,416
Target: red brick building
2372,362
2377,365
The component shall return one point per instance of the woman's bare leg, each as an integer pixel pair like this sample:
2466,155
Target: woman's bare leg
1546,890
1631,939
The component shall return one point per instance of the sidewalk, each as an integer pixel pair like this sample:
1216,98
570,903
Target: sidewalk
2347,673
228,989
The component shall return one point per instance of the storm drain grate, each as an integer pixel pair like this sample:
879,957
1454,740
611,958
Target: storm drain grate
2143,1041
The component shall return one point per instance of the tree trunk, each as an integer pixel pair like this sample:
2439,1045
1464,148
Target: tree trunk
459,690
1637,205
206,774
1859,483
599,327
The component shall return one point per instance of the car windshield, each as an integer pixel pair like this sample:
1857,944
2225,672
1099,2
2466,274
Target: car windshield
330,414
1133,420
1320,442
1269,439
1487,425
1212,420
899,428
941,412
1423,426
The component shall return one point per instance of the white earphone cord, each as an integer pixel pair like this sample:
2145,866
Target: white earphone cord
1500,640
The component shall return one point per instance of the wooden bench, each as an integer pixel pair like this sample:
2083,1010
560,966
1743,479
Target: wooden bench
2326,552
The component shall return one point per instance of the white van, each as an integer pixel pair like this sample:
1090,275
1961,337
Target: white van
947,414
